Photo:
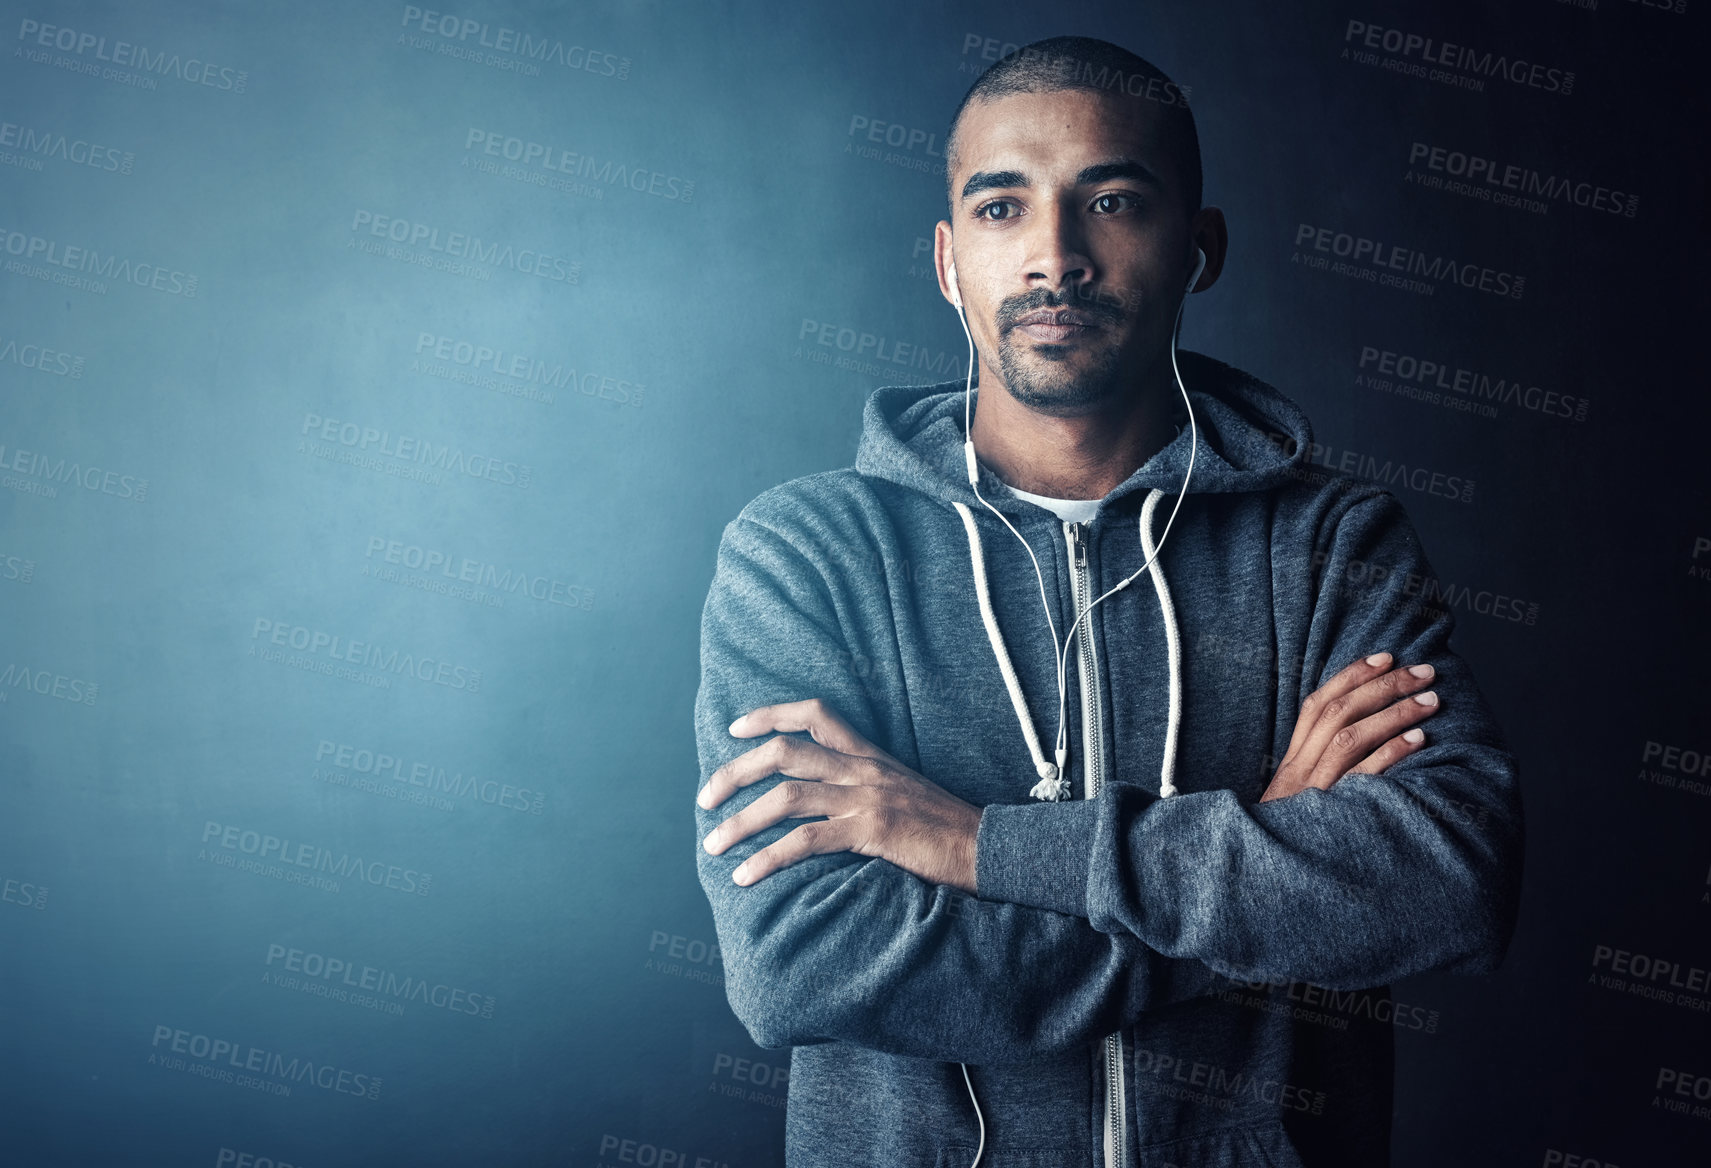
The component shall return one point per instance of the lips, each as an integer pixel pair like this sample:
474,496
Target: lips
1057,316
1052,325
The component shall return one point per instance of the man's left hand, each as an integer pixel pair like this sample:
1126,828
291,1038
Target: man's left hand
875,805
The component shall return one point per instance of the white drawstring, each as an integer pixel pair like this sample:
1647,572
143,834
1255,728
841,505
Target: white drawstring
1052,785
1173,641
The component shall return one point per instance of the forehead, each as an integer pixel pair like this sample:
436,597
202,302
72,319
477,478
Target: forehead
1050,136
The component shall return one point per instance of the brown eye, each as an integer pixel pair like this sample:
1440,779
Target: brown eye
1103,202
996,205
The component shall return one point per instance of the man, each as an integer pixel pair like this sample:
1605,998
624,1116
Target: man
906,876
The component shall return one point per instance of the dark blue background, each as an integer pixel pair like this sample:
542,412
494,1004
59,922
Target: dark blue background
574,910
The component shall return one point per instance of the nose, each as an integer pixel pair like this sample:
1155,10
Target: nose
1057,256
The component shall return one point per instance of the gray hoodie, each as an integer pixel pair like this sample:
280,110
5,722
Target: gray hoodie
1158,969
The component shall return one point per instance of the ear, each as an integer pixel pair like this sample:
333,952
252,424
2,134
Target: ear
1208,232
946,260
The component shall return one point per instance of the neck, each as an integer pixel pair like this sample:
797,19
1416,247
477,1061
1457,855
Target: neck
1081,457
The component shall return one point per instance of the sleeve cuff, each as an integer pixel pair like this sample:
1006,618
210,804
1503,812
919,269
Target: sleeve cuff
1036,854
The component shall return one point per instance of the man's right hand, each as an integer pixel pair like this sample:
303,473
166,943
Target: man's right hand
1362,720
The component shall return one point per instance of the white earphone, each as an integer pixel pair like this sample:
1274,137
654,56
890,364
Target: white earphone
1061,748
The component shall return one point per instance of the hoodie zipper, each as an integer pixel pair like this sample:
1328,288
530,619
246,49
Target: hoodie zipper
1092,738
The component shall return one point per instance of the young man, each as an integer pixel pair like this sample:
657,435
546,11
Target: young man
908,874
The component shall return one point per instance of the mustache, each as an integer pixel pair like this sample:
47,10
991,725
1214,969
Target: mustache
1102,305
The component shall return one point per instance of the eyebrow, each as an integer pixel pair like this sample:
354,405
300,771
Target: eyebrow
1128,168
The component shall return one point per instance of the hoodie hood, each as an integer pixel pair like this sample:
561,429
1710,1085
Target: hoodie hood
1251,437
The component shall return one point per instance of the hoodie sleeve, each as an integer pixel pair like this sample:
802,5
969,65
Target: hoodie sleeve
842,947
1377,878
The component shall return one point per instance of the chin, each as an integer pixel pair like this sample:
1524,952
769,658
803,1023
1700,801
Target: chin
1048,378
1062,394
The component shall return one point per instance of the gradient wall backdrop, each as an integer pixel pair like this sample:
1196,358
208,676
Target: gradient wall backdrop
375,382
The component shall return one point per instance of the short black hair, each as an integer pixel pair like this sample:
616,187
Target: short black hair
1072,62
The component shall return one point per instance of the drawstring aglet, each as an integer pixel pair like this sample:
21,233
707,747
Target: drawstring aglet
1052,787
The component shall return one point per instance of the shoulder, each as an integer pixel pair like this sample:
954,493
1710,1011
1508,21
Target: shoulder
828,520
1321,509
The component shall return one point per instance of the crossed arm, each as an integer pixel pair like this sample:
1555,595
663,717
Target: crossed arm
1356,723
859,927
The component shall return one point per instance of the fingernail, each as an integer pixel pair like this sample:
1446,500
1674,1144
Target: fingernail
1426,699
1421,670
1378,659
741,875
1414,735
701,796
738,722
708,842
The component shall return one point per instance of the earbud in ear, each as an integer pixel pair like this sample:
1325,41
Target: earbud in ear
950,278
1199,266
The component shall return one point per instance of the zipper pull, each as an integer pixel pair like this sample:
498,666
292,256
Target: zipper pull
1077,547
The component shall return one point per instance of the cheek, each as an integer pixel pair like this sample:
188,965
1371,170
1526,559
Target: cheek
1151,305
